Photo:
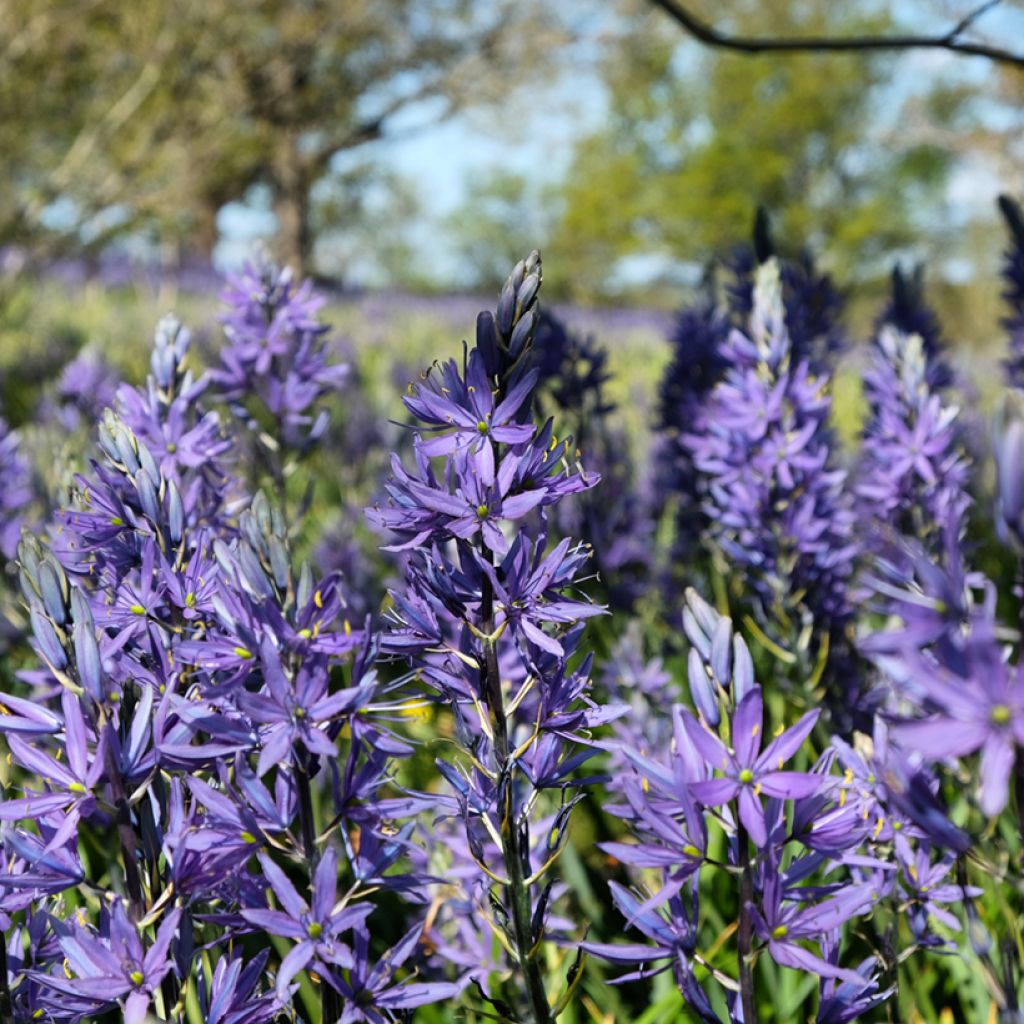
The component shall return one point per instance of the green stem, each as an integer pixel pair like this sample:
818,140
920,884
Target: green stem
307,824
514,840
6,1013
745,932
125,831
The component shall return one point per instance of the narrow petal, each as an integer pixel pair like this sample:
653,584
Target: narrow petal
746,728
709,746
283,888
290,966
714,792
789,785
752,816
996,764
783,747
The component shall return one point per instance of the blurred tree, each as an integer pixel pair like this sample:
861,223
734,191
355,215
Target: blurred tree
503,215
152,115
695,141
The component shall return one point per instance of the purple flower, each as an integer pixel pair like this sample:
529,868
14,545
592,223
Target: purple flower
367,984
73,784
293,711
15,493
747,771
781,923
913,472
86,386
462,407
316,926
762,447
987,714
926,891
1008,448
185,440
674,937
112,967
276,367
231,994
843,1002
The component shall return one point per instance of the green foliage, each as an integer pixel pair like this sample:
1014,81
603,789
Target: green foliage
696,140
150,117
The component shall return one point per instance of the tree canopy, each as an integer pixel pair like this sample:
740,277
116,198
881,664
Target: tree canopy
695,141
152,116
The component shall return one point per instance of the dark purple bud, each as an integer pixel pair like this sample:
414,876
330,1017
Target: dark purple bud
53,587
528,291
224,558
702,690
46,636
721,641
706,616
147,496
175,513
304,591
695,634
87,659
148,463
521,334
742,669
253,572
280,564
1008,445
261,514
80,610
105,439
506,308
487,342
125,447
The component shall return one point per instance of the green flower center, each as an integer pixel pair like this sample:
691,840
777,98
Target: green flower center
172,448
780,932
137,978
691,851
1000,715
746,776
315,930
137,609
482,426
481,511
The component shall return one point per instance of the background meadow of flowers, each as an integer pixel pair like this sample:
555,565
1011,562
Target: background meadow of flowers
639,670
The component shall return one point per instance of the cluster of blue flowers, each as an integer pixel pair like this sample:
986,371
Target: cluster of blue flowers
242,788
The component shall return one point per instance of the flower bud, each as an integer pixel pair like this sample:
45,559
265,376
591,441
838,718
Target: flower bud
1008,446
702,690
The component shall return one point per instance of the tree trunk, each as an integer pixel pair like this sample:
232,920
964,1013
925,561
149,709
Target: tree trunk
291,208
205,234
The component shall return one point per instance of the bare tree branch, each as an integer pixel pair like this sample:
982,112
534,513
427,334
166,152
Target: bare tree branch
950,41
